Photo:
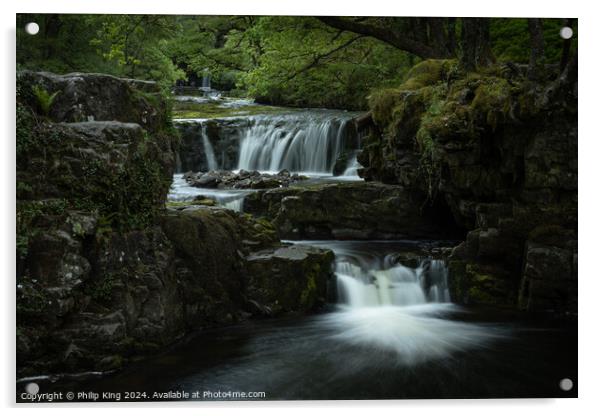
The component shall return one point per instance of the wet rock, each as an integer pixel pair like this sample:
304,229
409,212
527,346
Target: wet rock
549,278
341,164
242,180
343,211
224,136
288,279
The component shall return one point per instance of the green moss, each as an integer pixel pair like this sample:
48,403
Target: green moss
184,110
493,99
552,234
382,104
307,297
488,287
428,72
181,204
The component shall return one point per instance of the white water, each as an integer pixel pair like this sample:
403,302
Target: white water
369,281
232,199
392,309
306,142
208,149
352,168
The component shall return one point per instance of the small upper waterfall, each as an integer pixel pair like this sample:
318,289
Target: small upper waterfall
308,142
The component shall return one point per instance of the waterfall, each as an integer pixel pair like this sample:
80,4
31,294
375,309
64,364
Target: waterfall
395,313
308,142
352,167
206,81
208,149
397,285
305,142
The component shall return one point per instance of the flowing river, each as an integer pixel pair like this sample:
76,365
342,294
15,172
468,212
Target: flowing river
391,333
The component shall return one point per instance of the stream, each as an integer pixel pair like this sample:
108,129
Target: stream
391,334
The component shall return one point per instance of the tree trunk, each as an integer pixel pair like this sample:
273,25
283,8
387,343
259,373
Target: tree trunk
414,43
566,45
451,35
536,61
476,48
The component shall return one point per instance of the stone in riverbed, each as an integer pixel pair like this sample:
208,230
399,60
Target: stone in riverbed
225,179
291,278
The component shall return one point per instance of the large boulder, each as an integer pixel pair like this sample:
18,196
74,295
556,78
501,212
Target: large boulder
290,278
354,210
95,97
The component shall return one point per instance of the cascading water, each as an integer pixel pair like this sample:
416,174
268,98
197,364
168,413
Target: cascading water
309,142
390,308
228,198
305,143
208,148
377,282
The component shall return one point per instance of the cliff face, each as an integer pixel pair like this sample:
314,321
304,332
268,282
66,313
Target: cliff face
105,272
500,154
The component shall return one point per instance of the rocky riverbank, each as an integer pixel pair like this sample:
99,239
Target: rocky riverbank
105,273
499,152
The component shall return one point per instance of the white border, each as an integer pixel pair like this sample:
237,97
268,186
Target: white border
590,150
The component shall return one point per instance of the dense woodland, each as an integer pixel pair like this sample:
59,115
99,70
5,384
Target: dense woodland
298,61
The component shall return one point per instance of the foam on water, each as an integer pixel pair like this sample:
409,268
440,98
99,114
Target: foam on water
388,308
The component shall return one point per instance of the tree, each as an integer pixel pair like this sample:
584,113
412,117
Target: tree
475,43
536,60
425,37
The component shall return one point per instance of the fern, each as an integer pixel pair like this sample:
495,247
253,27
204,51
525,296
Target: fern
45,99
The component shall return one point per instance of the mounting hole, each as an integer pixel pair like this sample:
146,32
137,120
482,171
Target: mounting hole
566,32
32,28
566,384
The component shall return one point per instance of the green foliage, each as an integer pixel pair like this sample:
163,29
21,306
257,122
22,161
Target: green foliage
308,64
44,98
282,60
510,40
133,46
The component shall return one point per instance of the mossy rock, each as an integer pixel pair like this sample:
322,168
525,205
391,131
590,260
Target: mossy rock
481,284
428,72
